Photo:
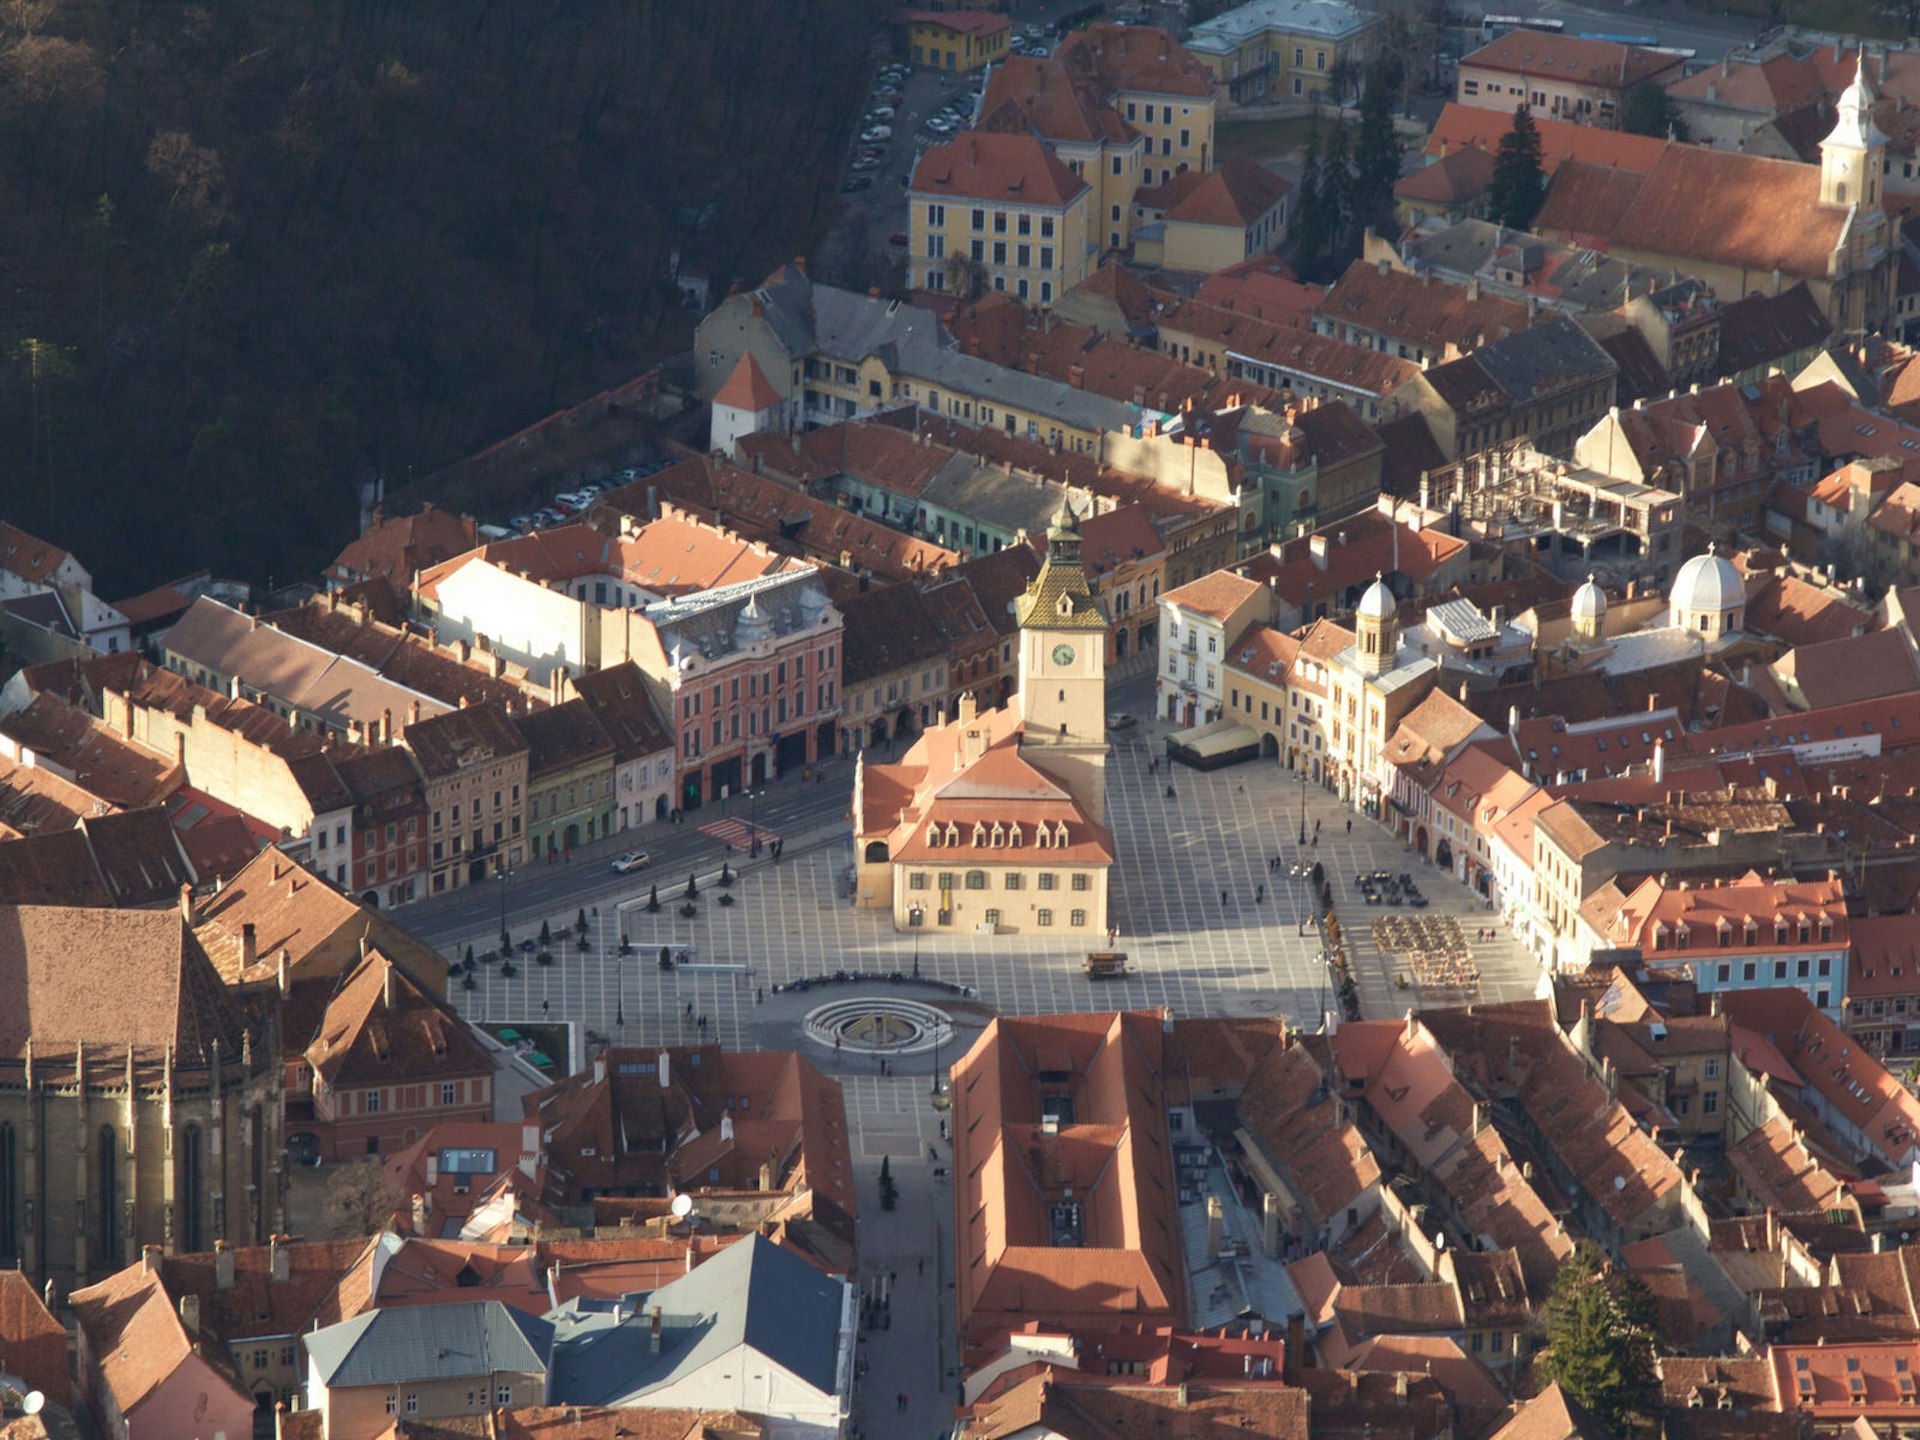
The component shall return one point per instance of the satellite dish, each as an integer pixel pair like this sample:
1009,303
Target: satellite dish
33,1404
682,1206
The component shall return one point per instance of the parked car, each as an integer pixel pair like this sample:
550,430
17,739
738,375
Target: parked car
877,132
522,523
545,519
631,861
866,162
629,475
853,184
880,112
898,237
1120,720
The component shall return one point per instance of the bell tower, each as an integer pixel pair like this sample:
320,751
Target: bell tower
1063,670
1852,156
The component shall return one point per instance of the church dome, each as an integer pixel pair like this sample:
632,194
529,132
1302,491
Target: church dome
1589,602
1378,603
1707,584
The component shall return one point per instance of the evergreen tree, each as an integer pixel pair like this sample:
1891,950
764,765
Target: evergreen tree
1519,182
1336,198
1601,1337
1649,110
1309,218
1376,151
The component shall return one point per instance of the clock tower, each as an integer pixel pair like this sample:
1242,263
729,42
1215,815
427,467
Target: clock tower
1063,670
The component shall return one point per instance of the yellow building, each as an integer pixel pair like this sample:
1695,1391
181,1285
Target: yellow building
956,40
1371,687
1121,105
1283,49
1203,222
999,212
995,822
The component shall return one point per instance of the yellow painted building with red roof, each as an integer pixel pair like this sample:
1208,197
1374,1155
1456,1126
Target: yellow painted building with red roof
995,822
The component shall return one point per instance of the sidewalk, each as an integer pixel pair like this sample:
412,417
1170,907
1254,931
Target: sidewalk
913,1243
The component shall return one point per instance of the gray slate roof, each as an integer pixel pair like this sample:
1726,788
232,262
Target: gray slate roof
751,1294
430,1342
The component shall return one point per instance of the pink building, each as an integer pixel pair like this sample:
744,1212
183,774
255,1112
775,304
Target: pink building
752,675
142,1365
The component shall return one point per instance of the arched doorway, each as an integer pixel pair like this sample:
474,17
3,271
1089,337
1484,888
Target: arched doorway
876,852
1120,644
660,807
370,899
1269,747
1443,856
759,768
572,836
1420,839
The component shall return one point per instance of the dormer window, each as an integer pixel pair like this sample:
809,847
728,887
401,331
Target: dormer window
999,835
1065,607
1015,838
1043,837
953,834
1806,930
1826,928
1780,930
1724,933
1661,936
1750,935
979,834
933,837
1060,835
1683,935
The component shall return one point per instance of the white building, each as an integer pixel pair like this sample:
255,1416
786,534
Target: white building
1199,621
29,566
755,1329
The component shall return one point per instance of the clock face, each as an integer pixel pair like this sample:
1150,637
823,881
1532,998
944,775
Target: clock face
1063,654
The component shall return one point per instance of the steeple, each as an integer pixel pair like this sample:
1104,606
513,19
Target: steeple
1851,155
1060,597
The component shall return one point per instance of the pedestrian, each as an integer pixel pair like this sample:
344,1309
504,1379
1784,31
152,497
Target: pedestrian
1240,789
689,1009
836,1039
546,1007
932,1153
943,1129
703,1024
1260,894
1349,824
761,996
1223,897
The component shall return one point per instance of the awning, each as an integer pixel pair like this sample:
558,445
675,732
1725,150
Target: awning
1220,742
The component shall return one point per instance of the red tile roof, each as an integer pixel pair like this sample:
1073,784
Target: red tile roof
1473,127
28,556
966,22
1142,59
1237,194
979,165
748,388
1701,203
1602,64
1110,1160
1419,309
1452,179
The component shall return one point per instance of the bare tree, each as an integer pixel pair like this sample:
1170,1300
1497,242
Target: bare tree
361,1198
1855,553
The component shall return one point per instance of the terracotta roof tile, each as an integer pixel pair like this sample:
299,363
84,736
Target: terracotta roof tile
29,557
979,165
1604,64
397,548
1476,127
748,388
381,1025
1237,194
1421,310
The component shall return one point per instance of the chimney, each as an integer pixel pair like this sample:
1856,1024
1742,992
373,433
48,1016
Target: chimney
222,1265
386,986
285,980
653,1330
600,1069
277,1257
666,1080
1659,761
1180,1397
150,1259
186,903
190,1315
248,941
1216,1226
759,307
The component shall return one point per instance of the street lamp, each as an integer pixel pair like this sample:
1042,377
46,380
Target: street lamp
503,875
753,824
915,917
1301,776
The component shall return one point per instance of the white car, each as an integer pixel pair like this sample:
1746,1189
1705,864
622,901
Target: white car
877,133
880,112
631,861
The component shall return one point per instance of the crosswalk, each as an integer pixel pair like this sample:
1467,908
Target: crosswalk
738,833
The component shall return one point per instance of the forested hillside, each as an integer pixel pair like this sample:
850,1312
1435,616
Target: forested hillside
253,253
